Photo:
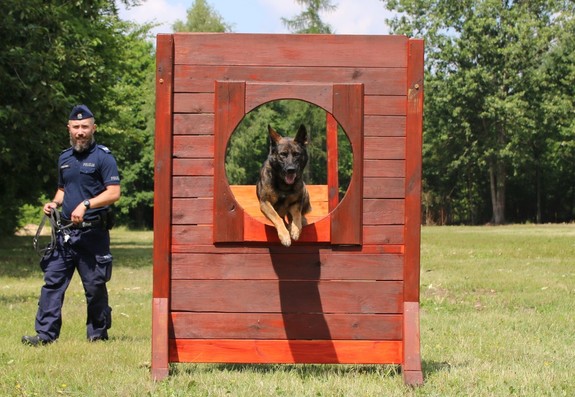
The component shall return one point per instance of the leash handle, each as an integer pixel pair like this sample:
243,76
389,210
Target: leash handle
54,219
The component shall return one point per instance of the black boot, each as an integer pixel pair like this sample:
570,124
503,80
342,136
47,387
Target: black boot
35,340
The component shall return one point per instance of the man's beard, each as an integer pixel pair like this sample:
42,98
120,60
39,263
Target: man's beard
80,147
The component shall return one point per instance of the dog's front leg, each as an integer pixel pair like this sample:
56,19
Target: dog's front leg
268,210
296,221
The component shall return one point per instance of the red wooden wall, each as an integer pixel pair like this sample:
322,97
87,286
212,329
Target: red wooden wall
224,289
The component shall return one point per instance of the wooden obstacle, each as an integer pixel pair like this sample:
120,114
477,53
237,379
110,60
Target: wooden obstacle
224,289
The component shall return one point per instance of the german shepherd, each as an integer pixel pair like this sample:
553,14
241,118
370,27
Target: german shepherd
280,187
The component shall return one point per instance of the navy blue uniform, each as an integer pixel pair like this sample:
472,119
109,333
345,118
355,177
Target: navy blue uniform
81,176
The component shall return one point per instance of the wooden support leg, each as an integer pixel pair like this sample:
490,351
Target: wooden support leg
160,367
411,367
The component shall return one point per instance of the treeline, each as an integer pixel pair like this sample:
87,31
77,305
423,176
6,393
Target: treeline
499,103
57,54
499,130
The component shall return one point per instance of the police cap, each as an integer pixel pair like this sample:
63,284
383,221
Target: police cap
80,112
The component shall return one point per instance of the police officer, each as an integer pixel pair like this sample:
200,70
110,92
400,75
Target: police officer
88,183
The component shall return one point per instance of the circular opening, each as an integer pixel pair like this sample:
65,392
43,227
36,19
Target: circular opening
248,148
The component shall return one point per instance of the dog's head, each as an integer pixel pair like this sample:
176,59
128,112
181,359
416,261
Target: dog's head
288,156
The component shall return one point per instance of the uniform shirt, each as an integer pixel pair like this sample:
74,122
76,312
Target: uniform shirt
85,175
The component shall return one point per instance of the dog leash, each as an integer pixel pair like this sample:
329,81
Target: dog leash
56,226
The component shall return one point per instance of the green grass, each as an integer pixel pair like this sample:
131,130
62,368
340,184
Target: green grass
496,320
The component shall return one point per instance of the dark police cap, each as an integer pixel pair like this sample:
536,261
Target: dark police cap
80,112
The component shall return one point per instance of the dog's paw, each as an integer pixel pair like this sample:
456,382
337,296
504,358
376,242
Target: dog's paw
285,238
294,232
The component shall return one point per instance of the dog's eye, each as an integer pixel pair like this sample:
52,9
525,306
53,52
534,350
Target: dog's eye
284,154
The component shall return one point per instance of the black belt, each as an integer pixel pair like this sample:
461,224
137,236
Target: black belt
87,224
96,223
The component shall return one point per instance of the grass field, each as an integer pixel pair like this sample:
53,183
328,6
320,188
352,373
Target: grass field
497,319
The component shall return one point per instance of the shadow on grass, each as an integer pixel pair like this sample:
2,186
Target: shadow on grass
18,259
302,370
309,370
432,367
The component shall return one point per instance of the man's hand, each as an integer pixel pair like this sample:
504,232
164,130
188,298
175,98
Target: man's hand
49,207
78,214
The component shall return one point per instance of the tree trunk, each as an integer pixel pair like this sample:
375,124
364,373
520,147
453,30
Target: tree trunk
497,183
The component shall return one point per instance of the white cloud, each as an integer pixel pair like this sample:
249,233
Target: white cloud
264,16
162,12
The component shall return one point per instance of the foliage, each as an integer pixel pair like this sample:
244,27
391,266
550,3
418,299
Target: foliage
130,129
498,107
496,320
53,55
202,17
309,20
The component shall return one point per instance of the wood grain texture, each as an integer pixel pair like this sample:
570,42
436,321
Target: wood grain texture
293,50
257,265
264,296
163,166
378,81
282,351
314,326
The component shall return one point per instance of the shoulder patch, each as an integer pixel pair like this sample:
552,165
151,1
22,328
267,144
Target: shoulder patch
105,149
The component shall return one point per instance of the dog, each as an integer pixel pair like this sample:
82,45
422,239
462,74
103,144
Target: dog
280,189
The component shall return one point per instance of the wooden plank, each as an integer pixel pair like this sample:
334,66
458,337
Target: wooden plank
318,326
163,166
412,351
193,167
377,81
230,109
193,187
384,168
413,170
263,296
282,351
314,265
383,234
194,123
187,236
260,93
192,235
194,103
316,232
384,188
388,148
385,105
383,211
192,211
160,367
288,49
189,245
193,146
332,161
346,219
384,125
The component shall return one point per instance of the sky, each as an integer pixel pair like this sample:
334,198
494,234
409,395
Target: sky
264,16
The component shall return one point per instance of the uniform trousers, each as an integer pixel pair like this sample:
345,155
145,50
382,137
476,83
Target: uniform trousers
88,251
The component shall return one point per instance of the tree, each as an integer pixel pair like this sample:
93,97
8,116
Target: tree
53,55
202,17
130,130
309,20
488,88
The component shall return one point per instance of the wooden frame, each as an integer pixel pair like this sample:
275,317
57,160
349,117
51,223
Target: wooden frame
225,290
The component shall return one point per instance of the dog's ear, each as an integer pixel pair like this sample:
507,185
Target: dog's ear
274,136
301,136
